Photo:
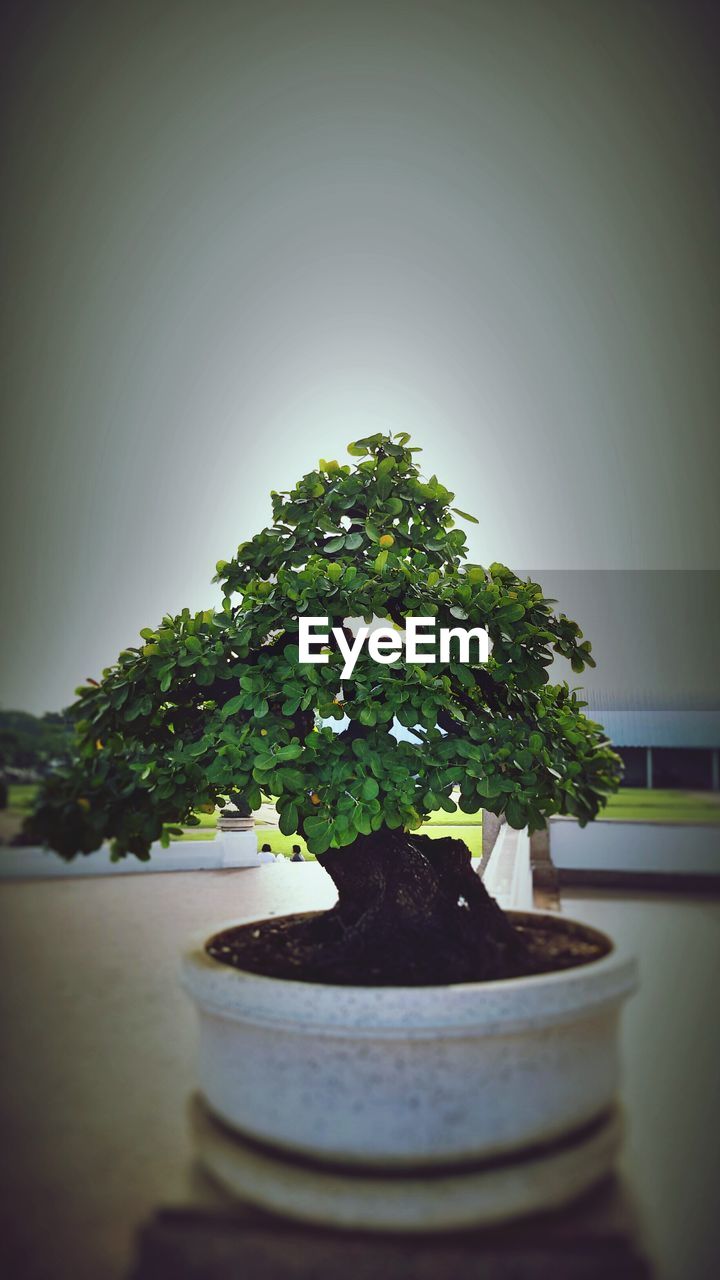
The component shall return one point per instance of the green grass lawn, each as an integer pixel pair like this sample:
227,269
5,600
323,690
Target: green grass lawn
208,821
629,805
462,826
633,804
470,833
21,797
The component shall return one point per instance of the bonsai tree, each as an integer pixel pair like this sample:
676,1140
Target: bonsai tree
217,706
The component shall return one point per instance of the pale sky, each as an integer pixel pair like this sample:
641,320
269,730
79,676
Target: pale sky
241,235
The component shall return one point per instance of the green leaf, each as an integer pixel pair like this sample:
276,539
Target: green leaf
253,796
361,821
293,779
394,506
465,516
511,612
318,833
234,704
469,804
391,814
316,825
380,561
320,842
488,788
463,674
353,541
515,815
288,822
334,544
369,789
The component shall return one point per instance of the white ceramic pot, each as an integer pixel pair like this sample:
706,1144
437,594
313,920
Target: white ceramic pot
409,1076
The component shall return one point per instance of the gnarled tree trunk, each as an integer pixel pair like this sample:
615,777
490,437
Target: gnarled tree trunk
411,911
413,908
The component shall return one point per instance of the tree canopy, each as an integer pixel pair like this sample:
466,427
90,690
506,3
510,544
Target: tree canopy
33,742
216,705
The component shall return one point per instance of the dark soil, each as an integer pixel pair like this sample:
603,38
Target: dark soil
308,948
411,912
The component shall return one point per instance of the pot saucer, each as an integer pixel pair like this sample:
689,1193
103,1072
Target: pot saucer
451,1198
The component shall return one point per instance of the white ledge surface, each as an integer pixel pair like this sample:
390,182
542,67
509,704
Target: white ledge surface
35,862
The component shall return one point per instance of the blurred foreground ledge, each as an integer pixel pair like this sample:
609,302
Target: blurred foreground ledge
593,1241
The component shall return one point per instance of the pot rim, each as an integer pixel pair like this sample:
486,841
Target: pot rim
409,1012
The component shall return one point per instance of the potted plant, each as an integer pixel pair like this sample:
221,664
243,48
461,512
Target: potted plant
414,1025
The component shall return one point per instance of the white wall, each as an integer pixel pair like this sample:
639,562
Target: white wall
635,846
236,849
